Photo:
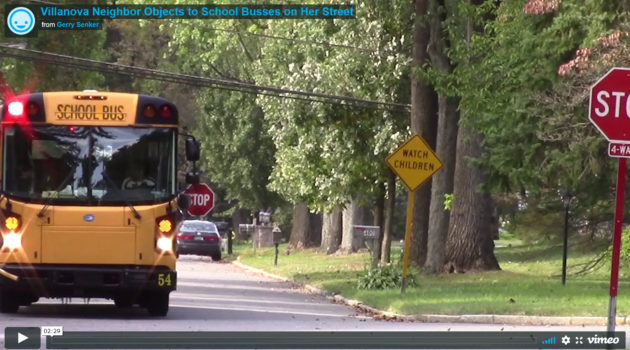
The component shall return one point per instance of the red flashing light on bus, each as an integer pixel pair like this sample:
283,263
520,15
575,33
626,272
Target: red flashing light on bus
166,111
16,109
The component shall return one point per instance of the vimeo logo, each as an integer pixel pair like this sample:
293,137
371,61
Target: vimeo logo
21,21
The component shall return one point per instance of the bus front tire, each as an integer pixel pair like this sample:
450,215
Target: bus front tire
8,303
123,302
157,304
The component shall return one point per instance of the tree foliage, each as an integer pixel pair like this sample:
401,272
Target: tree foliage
328,152
537,140
237,149
260,146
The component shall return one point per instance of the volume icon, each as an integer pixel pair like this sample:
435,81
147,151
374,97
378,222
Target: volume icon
549,341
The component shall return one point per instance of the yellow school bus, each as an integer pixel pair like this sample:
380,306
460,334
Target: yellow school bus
88,198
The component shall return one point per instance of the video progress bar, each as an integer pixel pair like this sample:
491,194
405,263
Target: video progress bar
336,340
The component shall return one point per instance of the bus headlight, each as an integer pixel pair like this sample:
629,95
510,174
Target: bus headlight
12,240
165,244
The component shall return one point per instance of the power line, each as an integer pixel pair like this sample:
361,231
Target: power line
302,41
234,85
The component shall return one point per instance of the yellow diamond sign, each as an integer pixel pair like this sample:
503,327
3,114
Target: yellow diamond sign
414,162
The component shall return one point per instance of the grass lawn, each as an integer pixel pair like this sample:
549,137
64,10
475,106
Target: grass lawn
529,283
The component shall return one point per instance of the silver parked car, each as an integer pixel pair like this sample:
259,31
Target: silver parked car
199,237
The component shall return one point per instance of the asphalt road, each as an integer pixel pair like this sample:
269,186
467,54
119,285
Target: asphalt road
217,296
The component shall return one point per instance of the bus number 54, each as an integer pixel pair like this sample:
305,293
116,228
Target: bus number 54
164,279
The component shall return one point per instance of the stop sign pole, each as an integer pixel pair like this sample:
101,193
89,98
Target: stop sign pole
614,271
609,111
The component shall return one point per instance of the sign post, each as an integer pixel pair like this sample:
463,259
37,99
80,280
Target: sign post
414,162
201,199
614,271
609,111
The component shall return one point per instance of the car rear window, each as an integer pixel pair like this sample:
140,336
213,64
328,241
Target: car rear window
197,226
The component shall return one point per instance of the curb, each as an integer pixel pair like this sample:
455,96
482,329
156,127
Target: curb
435,318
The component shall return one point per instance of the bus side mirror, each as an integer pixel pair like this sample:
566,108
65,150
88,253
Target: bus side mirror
192,178
193,149
183,201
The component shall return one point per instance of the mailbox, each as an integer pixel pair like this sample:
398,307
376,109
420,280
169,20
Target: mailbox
277,235
245,231
366,232
370,236
264,218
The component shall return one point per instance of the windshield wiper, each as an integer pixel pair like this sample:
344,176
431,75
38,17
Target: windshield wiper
3,195
118,189
63,185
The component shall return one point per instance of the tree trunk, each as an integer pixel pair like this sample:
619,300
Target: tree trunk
390,207
442,184
424,123
446,144
314,236
331,232
299,231
469,244
351,216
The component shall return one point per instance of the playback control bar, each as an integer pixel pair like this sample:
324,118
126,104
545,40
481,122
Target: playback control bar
337,340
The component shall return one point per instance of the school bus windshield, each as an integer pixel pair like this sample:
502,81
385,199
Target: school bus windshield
93,165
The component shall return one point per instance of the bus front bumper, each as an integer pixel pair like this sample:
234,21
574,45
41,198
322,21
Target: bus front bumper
87,281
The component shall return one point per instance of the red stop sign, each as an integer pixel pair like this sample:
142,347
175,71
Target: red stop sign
201,199
609,108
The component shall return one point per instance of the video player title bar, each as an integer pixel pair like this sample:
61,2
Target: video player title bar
95,12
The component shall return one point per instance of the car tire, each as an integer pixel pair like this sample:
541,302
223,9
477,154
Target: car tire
9,303
216,257
157,304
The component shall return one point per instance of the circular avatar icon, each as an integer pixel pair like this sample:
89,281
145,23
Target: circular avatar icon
21,20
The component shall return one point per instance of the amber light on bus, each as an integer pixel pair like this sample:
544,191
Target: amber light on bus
165,225
149,111
11,223
90,97
164,240
32,109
